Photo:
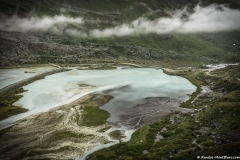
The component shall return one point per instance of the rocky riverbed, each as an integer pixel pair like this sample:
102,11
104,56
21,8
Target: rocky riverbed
60,133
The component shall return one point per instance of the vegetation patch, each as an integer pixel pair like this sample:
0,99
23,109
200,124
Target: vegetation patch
104,129
7,109
116,135
204,132
92,115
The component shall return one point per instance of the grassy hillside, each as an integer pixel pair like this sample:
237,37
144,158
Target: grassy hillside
211,130
46,47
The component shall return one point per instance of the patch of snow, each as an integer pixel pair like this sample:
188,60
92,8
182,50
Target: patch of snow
218,66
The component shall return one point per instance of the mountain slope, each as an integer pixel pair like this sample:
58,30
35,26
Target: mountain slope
37,47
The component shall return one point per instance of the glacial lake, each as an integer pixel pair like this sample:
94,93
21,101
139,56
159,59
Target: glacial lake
10,76
128,86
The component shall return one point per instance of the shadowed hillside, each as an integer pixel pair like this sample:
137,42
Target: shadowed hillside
73,44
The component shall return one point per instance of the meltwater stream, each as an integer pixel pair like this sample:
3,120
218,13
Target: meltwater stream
130,87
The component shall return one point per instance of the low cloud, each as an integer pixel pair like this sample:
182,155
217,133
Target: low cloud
37,24
76,33
214,18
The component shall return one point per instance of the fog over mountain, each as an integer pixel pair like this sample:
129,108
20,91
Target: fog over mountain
209,19
37,24
213,18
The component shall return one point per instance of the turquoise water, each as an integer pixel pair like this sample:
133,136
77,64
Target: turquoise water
10,76
128,86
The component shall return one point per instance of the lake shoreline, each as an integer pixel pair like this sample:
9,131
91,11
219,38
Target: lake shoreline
151,103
